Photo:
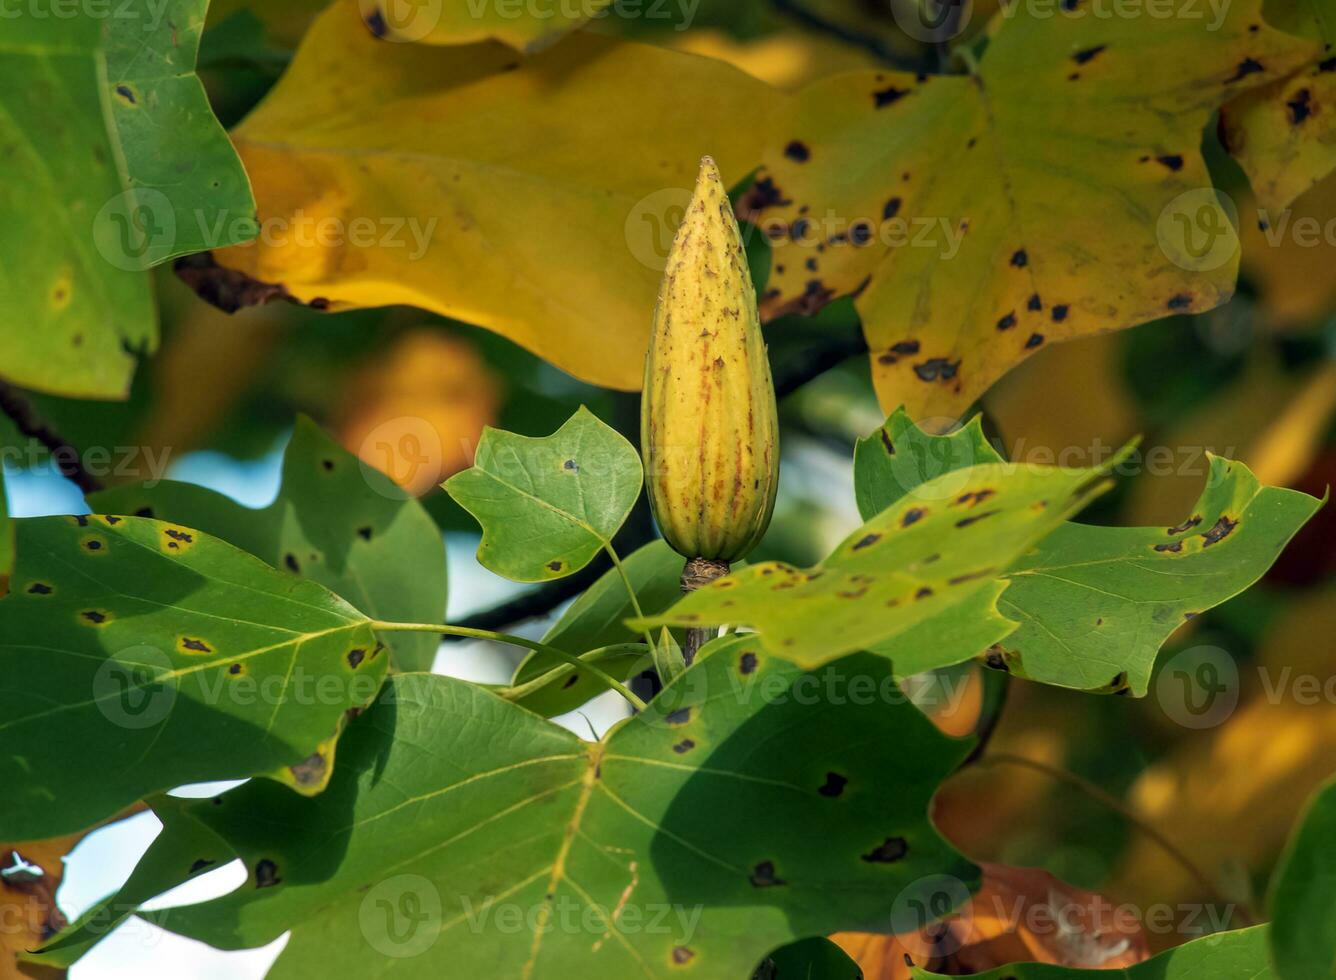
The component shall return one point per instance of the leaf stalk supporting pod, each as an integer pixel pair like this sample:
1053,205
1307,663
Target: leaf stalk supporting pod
709,423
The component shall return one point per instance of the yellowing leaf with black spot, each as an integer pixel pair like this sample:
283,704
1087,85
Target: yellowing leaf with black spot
136,656
1284,134
980,217
533,197
526,26
918,582
752,804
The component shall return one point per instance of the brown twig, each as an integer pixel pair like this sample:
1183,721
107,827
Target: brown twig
67,458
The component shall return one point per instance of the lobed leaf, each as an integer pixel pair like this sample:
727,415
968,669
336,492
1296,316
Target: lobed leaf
958,209
675,811
911,572
113,163
1095,604
335,521
535,197
548,505
136,656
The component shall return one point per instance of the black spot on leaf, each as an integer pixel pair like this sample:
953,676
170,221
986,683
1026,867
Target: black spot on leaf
890,850
891,209
763,876
1219,531
266,874
748,663
912,515
1187,525
1034,303
355,657
684,746
1007,322
1246,67
866,541
1059,312
1082,57
797,151
936,368
1300,107
39,588
1019,259
834,785
1034,340
1171,160
888,96
1172,546
1179,301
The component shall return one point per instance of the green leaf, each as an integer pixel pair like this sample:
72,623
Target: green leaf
113,163
669,661
560,689
547,506
1303,895
1238,955
675,814
810,959
335,521
596,620
136,656
957,208
913,567
1095,604
190,849
900,457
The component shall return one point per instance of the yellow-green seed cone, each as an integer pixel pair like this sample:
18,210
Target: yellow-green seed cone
709,429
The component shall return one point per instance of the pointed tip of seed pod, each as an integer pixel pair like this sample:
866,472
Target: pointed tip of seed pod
709,174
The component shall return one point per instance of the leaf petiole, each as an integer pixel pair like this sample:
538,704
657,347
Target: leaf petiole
519,641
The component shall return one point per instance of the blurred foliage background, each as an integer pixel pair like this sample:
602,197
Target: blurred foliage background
1254,379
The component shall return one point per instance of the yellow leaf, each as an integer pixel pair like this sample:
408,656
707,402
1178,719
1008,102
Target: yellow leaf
535,198
527,26
785,59
1055,193
1290,252
1284,134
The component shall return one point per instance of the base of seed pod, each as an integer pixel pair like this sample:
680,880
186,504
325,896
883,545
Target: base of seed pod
698,573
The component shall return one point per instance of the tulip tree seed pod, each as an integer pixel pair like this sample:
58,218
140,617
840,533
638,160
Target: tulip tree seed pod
709,427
